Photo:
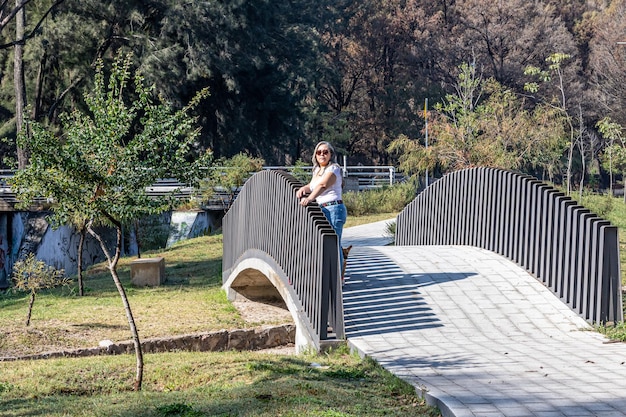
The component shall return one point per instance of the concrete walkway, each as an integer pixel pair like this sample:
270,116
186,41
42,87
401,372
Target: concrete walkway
475,332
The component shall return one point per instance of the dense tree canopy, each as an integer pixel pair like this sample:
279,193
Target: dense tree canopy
285,75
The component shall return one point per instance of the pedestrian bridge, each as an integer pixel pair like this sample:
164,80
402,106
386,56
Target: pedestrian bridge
276,249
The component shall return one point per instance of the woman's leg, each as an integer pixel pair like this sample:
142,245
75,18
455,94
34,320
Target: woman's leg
337,216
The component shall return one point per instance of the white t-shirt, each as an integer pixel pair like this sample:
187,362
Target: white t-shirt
332,193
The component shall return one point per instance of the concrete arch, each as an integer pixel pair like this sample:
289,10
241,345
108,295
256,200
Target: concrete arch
258,277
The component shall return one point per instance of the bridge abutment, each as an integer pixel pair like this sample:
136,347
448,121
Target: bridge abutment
259,278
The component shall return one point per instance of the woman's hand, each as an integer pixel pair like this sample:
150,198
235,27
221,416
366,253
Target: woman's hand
305,201
301,192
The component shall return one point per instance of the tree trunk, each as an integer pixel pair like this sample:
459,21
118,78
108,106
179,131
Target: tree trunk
137,237
81,243
611,174
113,260
31,302
581,187
570,157
18,80
39,85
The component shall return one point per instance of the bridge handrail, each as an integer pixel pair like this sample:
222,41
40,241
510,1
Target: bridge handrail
569,249
266,216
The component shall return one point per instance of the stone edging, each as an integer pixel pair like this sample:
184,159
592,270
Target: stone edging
238,339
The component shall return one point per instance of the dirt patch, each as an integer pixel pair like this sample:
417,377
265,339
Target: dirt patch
263,313
56,336
275,313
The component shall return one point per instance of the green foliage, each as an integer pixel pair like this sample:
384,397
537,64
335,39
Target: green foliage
228,175
178,410
111,153
388,199
485,124
99,171
7,146
152,232
555,62
614,155
614,332
32,276
413,157
300,172
390,229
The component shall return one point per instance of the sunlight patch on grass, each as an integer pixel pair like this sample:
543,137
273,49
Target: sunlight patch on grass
208,384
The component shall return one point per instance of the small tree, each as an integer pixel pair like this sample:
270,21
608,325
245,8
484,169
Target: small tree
107,158
302,171
556,62
483,124
229,174
614,156
32,276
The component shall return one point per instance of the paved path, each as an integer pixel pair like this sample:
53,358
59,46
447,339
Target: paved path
475,332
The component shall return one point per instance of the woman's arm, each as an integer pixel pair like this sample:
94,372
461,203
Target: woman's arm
302,191
328,179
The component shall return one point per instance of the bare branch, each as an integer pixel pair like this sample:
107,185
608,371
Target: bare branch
12,13
32,33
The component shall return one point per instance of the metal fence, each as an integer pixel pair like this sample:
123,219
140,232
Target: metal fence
358,177
571,250
266,216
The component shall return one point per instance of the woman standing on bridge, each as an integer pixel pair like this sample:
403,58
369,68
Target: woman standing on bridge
325,188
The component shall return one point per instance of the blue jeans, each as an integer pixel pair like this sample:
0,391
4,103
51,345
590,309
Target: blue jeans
337,216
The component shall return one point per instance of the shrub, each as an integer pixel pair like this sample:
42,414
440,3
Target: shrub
31,275
388,199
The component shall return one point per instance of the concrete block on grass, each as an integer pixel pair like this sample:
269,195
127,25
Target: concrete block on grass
147,272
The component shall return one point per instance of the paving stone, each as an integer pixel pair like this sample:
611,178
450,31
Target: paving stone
475,331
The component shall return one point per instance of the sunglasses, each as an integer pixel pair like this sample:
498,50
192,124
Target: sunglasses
322,152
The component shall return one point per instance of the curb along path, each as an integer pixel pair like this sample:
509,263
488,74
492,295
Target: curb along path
475,332
266,337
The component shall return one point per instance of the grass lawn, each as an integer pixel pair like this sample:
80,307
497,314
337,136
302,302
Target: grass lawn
614,210
191,301
187,384
370,218
208,384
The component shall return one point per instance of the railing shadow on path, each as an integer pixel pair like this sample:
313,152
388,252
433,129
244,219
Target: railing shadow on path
380,298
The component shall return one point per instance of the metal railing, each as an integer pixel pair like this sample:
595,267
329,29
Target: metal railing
267,217
569,249
365,177
357,178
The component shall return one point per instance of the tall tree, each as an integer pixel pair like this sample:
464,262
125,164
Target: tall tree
374,57
614,156
483,124
258,58
504,37
108,155
17,14
562,96
608,61
18,78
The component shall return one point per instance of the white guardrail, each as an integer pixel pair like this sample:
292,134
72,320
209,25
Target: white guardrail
356,178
